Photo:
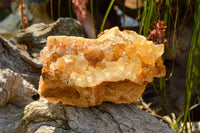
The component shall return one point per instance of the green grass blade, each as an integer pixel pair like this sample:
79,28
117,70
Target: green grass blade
70,8
197,58
92,14
190,78
197,72
106,15
148,18
148,14
161,100
59,1
167,3
144,13
138,7
196,67
162,89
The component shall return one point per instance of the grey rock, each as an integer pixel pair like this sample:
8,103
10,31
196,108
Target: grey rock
19,91
19,76
108,117
37,33
10,118
19,61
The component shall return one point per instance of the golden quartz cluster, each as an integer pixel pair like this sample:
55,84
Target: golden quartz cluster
115,67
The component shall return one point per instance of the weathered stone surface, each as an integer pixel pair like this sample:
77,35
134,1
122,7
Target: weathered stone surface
85,72
17,91
10,118
38,33
19,75
105,118
19,61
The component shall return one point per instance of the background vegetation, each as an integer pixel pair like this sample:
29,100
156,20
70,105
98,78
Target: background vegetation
176,13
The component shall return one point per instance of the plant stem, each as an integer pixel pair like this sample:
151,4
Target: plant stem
138,7
191,70
92,14
144,13
149,17
23,27
70,8
166,12
161,100
59,1
51,6
123,14
106,15
22,14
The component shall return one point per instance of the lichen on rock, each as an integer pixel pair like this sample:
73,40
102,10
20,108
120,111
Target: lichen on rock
116,67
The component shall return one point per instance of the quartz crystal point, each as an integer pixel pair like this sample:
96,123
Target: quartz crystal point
115,67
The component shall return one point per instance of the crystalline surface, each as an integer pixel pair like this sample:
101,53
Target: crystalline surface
100,68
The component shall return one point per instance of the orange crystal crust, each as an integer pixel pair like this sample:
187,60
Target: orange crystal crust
85,72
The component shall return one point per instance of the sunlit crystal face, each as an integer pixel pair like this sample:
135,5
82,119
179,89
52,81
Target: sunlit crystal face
116,67
115,57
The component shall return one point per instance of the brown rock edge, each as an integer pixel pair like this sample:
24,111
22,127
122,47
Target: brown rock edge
117,92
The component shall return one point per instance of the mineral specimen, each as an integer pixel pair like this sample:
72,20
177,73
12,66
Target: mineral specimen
116,67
